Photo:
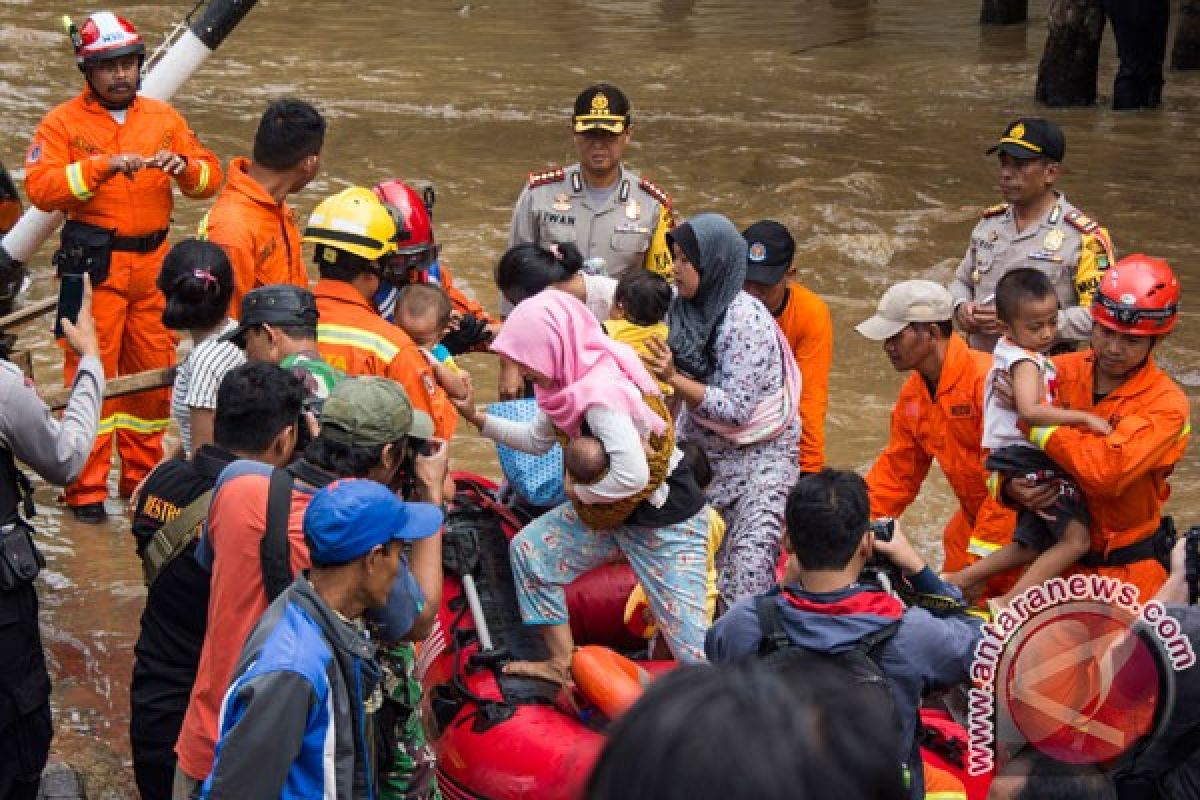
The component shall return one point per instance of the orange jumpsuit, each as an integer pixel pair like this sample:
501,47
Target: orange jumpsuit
1123,476
352,337
67,170
808,328
948,428
259,235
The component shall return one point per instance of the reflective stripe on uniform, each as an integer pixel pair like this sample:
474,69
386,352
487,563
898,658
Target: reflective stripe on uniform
129,422
1187,430
76,182
107,424
202,183
202,227
329,333
994,482
978,547
1040,434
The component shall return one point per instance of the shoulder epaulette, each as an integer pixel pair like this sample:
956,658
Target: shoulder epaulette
994,211
549,176
1082,222
654,190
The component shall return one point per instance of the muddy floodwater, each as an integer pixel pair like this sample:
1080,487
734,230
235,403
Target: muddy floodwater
859,124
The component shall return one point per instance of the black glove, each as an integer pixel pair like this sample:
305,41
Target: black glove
471,332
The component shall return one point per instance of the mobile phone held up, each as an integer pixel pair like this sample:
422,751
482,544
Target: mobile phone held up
70,300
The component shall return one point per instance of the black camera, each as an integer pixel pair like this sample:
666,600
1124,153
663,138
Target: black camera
883,528
1191,553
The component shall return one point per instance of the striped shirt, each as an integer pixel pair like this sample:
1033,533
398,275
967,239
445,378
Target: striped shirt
198,377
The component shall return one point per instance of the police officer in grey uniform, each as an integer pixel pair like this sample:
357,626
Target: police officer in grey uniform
616,218
1035,228
606,210
56,450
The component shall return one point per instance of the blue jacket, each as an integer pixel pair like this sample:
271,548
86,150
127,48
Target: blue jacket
926,653
293,723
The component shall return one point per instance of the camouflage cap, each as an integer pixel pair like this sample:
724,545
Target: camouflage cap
367,411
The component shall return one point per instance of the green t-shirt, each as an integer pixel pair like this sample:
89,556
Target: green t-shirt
317,376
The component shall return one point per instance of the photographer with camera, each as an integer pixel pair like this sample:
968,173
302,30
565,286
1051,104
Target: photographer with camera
824,611
254,543
56,450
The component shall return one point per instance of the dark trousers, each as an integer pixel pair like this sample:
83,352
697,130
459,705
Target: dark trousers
1140,27
25,722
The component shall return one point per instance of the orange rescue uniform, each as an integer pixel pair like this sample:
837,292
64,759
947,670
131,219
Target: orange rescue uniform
67,170
1123,476
948,428
808,328
259,235
352,337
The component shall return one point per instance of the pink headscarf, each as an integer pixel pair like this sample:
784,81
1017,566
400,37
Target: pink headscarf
556,335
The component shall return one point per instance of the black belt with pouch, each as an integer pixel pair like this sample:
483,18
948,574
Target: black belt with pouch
84,249
88,249
20,560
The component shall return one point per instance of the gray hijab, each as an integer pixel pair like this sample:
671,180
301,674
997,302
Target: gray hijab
718,251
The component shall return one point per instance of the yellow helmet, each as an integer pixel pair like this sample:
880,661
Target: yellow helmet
353,221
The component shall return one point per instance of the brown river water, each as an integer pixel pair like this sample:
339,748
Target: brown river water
861,124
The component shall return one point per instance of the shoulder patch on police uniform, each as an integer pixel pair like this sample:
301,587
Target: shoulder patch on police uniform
546,177
994,211
1082,222
654,190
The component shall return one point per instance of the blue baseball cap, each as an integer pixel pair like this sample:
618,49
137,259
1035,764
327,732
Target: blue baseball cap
349,517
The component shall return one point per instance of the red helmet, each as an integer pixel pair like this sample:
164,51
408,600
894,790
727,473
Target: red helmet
1139,295
106,36
417,250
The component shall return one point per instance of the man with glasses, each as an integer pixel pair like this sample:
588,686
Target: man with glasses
937,417
617,219
1035,227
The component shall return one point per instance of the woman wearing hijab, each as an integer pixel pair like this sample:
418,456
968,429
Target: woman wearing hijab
726,358
646,506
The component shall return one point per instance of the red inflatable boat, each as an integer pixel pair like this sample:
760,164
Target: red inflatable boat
500,737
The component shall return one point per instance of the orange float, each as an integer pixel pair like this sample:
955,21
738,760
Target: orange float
610,681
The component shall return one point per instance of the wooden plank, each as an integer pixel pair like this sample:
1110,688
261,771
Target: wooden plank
27,313
118,387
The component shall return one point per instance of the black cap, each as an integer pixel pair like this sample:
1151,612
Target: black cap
278,304
1032,137
769,252
601,107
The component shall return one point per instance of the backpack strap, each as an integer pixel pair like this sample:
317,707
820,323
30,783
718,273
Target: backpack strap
774,637
274,549
173,538
870,644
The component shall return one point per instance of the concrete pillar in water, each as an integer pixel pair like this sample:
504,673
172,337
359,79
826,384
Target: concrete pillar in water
1067,73
1185,54
1003,12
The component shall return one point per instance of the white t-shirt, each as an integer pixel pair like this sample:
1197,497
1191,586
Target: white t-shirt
198,377
599,290
1000,423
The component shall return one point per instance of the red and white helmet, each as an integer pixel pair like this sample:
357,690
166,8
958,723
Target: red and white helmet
416,248
105,36
1139,295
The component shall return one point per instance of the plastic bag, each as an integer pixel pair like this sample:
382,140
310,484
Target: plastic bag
538,480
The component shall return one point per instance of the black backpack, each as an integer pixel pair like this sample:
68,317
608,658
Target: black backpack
861,662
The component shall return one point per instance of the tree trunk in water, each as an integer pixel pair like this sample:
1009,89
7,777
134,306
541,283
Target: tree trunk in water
1067,74
1003,12
1185,54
